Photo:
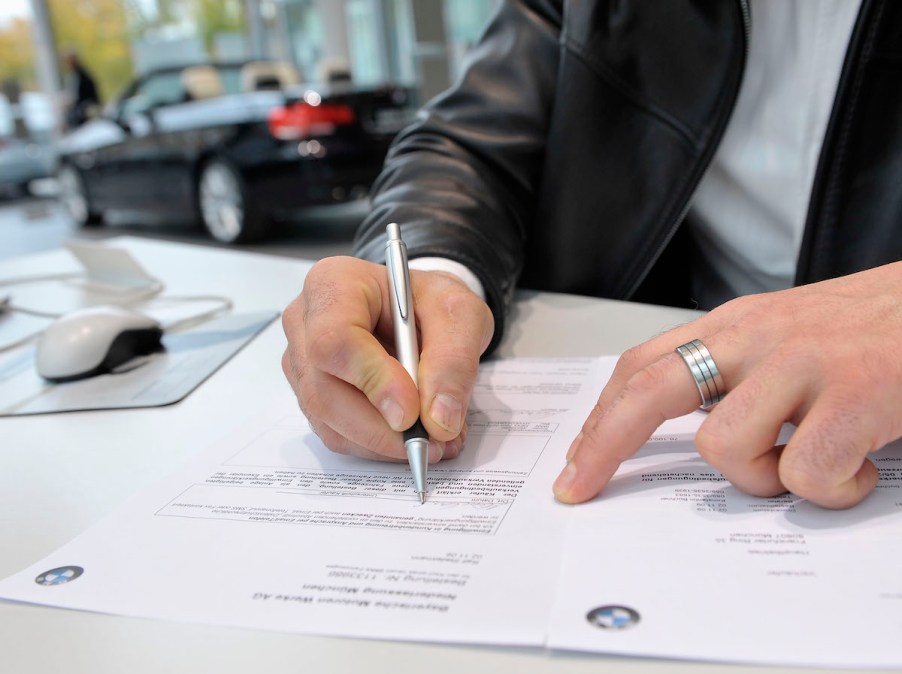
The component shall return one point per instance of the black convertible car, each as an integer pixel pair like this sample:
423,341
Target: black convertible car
230,145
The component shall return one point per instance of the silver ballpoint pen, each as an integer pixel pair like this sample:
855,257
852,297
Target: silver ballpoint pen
416,439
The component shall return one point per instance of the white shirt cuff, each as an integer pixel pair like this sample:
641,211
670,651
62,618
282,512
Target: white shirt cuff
452,267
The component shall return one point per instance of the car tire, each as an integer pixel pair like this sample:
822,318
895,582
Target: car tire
226,208
74,197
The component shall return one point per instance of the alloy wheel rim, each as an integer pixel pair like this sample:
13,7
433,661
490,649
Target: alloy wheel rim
222,206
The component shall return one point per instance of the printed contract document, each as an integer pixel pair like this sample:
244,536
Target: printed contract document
270,530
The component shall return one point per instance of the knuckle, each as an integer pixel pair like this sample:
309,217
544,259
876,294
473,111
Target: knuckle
800,483
288,369
320,289
750,314
382,441
488,325
648,380
452,448
326,350
291,314
734,335
631,359
832,452
463,313
455,301
286,363
338,445
591,430
323,270
317,429
311,403
742,304
714,444
334,442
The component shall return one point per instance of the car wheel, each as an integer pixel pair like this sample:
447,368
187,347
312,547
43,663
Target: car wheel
74,197
226,210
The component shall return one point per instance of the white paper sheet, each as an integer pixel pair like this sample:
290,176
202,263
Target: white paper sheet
270,530
713,574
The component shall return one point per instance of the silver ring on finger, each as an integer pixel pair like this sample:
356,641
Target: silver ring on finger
704,372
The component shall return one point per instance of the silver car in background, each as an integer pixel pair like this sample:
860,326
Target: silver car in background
26,142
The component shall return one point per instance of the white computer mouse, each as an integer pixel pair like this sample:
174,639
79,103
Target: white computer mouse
93,341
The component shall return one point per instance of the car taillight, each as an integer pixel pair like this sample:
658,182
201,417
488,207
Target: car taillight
302,120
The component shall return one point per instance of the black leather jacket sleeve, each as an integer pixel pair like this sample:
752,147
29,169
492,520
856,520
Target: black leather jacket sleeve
462,180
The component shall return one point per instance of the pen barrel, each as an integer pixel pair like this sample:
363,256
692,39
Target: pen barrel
416,439
407,348
405,327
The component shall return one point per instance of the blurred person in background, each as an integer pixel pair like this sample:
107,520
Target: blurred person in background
82,92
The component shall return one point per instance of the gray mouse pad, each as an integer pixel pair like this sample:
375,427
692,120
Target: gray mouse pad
162,378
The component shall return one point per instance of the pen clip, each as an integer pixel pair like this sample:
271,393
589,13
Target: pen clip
396,259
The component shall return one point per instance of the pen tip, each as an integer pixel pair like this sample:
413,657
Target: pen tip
422,497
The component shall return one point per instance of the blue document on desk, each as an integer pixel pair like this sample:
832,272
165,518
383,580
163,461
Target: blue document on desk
269,530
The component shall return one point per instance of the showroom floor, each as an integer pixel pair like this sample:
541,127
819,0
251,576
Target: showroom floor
29,225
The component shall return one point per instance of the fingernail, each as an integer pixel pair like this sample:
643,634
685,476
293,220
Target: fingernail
565,480
446,412
574,445
436,452
392,413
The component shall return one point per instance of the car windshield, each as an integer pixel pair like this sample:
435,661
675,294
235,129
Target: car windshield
168,88
163,88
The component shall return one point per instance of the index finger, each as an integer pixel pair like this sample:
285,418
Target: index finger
619,426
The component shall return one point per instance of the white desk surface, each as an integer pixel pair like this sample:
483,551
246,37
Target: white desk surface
59,474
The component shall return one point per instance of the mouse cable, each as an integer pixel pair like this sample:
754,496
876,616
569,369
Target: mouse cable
225,305
34,278
20,342
39,278
6,304
124,301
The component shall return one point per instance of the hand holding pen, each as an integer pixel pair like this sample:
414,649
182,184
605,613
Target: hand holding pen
355,393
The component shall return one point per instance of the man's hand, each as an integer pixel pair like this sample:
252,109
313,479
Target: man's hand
826,357
341,366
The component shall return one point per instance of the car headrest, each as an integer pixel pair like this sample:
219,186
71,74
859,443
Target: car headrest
202,82
259,75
